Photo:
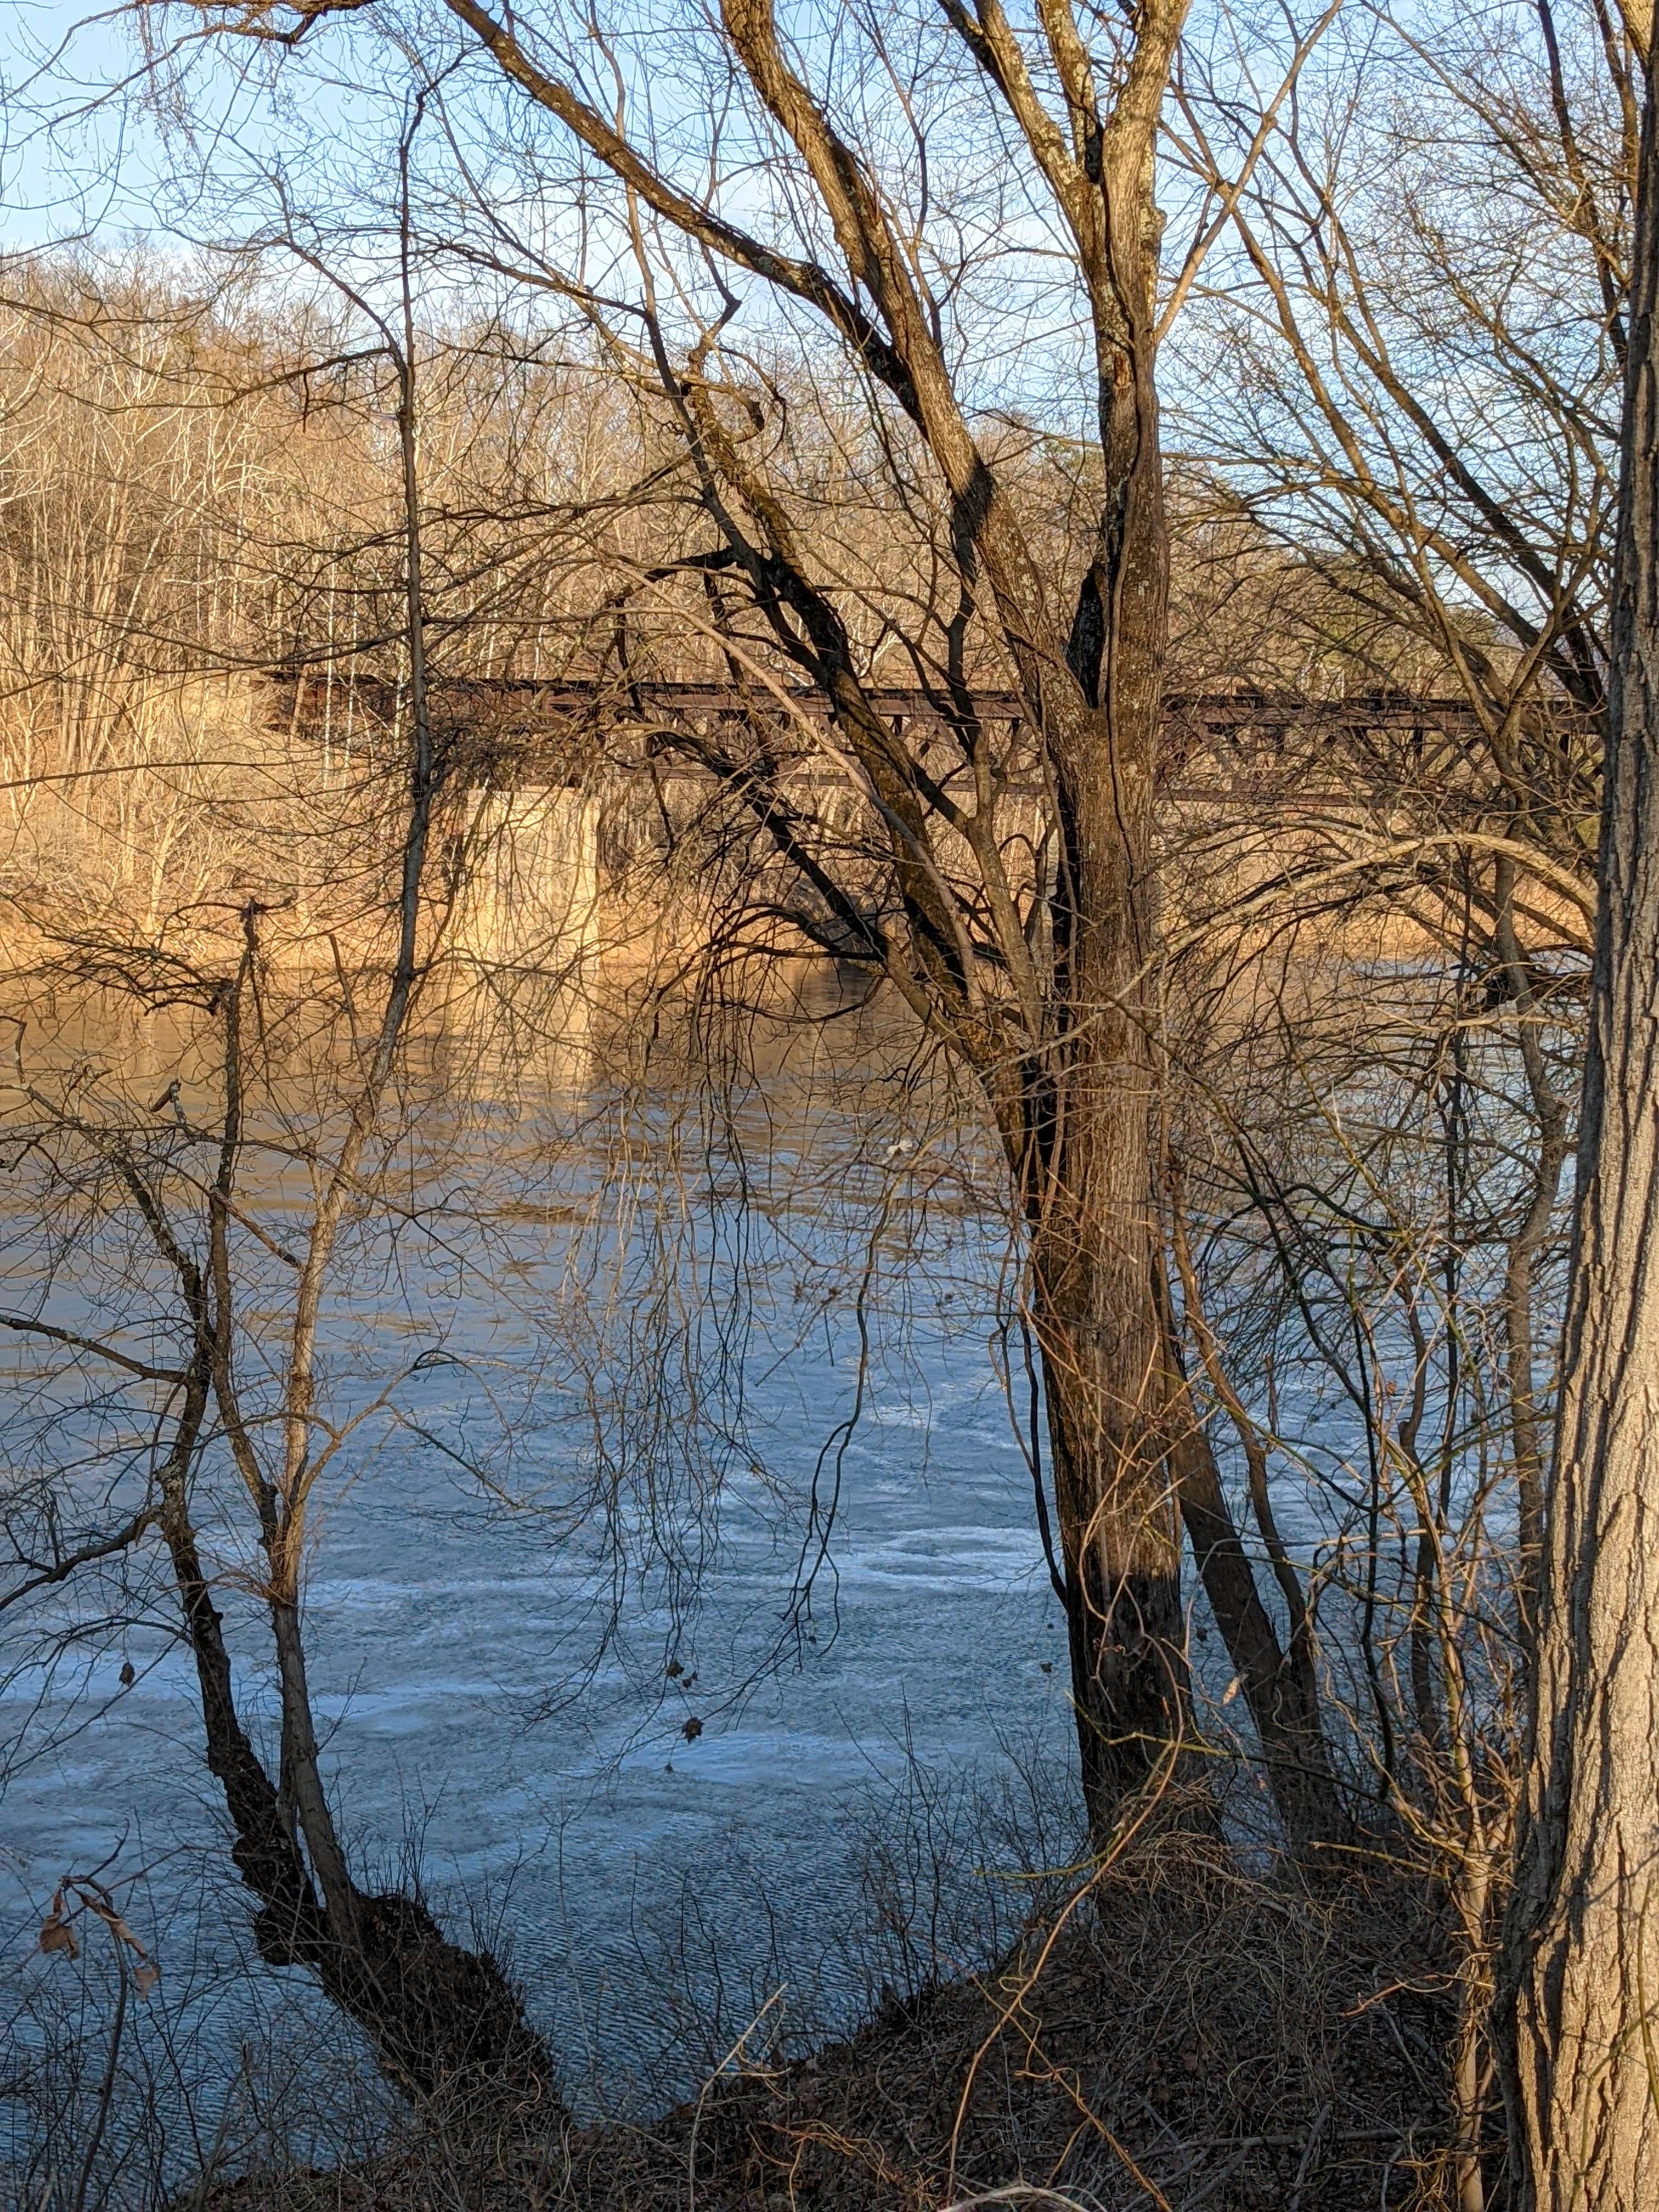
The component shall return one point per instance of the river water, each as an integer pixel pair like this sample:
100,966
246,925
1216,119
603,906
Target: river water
674,1608
588,1646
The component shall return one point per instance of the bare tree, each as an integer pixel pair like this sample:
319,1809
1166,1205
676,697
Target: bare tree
1422,356
1586,2121
1040,988
183,1178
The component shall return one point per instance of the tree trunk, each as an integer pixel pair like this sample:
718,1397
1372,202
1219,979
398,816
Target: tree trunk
1071,1072
1089,1179
1119,1527
1581,1965
1279,1685
444,2024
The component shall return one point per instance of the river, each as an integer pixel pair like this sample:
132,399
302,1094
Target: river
607,1338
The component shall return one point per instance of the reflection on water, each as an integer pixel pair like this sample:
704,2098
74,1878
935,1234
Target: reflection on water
606,1329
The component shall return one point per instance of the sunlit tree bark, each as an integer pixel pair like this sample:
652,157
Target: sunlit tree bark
1584,2089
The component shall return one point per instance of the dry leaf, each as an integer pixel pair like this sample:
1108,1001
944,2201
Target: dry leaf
112,1920
56,1934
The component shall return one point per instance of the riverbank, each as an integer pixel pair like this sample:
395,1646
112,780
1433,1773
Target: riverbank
1184,2033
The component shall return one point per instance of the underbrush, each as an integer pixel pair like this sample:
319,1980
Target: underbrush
1179,2033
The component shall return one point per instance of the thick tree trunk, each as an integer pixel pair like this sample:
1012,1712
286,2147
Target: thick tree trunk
1089,1178
1582,1950
1119,1526
1086,1176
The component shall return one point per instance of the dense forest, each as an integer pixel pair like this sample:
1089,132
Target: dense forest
724,733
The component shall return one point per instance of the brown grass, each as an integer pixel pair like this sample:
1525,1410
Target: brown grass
1196,2036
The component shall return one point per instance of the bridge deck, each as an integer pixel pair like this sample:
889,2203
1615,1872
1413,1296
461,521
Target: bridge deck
546,700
